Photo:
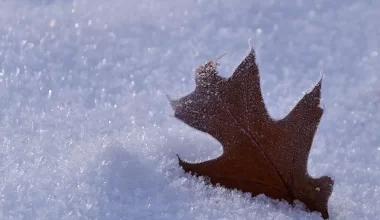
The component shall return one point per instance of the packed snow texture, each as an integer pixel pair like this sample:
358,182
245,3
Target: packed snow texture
87,133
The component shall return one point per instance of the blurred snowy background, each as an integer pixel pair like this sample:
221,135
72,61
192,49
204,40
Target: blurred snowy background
87,133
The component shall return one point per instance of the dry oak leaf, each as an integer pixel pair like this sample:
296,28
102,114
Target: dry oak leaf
260,155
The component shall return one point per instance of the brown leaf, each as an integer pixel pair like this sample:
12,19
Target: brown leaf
260,155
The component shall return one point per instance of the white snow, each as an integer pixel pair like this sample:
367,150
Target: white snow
87,133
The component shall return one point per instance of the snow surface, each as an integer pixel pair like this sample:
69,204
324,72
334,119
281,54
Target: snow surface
87,133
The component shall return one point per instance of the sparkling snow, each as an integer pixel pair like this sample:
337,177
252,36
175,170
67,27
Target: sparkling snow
87,133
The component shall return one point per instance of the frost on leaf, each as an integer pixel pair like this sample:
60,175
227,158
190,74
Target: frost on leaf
260,155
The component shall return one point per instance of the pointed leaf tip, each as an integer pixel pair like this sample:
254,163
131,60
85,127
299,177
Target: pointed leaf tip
321,75
317,89
250,47
219,57
168,97
178,157
181,163
173,103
